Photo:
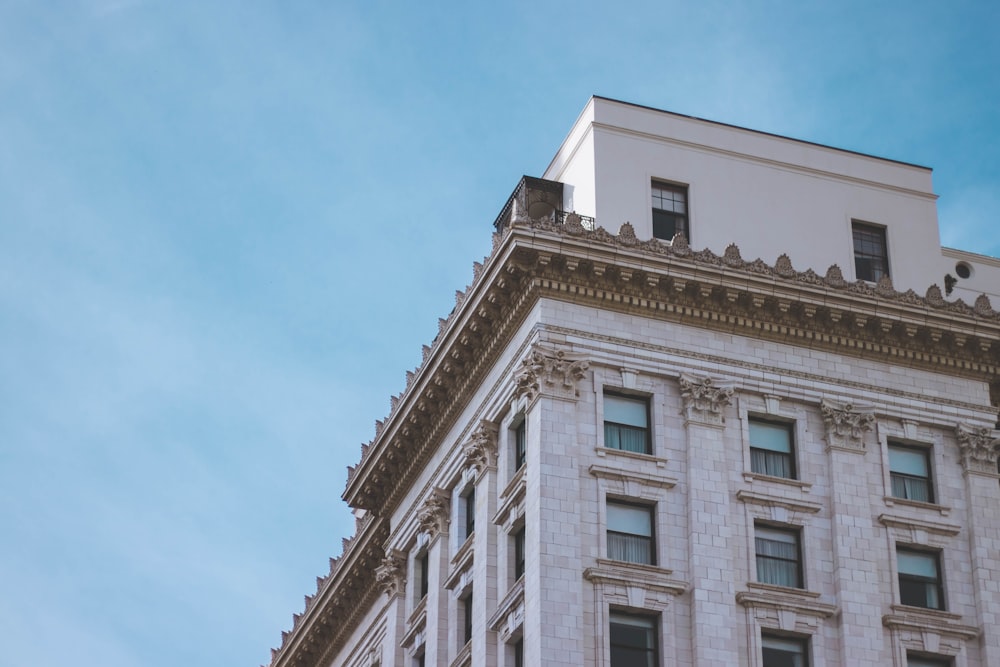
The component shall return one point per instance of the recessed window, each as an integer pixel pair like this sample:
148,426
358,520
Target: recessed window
919,578
519,553
630,533
778,556
779,651
871,259
520,444
467,617
422,572
910,473
519,653
916,661
670,210
633,641
626,423
771,448
469,508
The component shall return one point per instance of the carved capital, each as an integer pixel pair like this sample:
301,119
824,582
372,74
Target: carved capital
550,372
980,448
846,424
481,450
704,399
390,575
433,515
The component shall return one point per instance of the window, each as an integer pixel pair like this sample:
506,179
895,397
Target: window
670,212
420,660
771,451
778,556
784,651
520,444
914,661
469,506
423,575
519,553
919,578
910,473
467,615
633,641
871,260
626,423
519,653
630,533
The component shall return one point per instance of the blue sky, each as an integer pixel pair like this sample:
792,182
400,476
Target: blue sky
227,228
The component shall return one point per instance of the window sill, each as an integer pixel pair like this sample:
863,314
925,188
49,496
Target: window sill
511,501
906,502
758,477
464,656
769,597
783,590
609,451
415,626
919,620
461,571
509,616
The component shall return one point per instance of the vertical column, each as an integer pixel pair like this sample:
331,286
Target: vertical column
858,553
433,518
553,615
714,621
980,447
391,578
481,461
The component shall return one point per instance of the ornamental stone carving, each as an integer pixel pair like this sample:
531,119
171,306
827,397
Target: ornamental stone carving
980,448
846,424
704,399
433,515
481,450
551,372
390,575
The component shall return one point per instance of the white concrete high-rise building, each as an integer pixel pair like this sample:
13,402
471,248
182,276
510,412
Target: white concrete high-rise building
635,443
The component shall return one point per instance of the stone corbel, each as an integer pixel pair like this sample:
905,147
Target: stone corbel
481,450
551,372
846,424
704,399
433,516
390,575
980,448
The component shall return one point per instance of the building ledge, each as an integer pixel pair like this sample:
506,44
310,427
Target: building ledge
752,477
906,502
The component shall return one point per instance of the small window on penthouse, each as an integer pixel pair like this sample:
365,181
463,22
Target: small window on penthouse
871,257
670,210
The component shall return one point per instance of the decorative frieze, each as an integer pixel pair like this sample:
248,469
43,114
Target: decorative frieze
980,448
704,399
390,575
433,516
846,424
481,450
549,371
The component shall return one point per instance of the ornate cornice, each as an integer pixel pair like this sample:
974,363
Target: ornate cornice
980,448
704,399
549,371
433,517
846,424
481,450
391,574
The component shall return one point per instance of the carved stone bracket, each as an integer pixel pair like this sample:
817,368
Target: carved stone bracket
550,372
980,448
846,425
704,399
433,515
391,573
481,450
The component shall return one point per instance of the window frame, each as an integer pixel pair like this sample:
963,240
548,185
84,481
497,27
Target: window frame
798,561
649,622
925,452
683,217
867,231
469,508
913,660
650,512
467,610
789,428
421,566
518,552
647,430
519,449
937,582
801,642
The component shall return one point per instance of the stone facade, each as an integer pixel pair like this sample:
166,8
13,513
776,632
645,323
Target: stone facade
734,459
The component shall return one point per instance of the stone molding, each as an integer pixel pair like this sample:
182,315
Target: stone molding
480,451
778,508
549,371
635,586
785,609
508,619
933,631
980,448
433,517
846,424
390,575
704,399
